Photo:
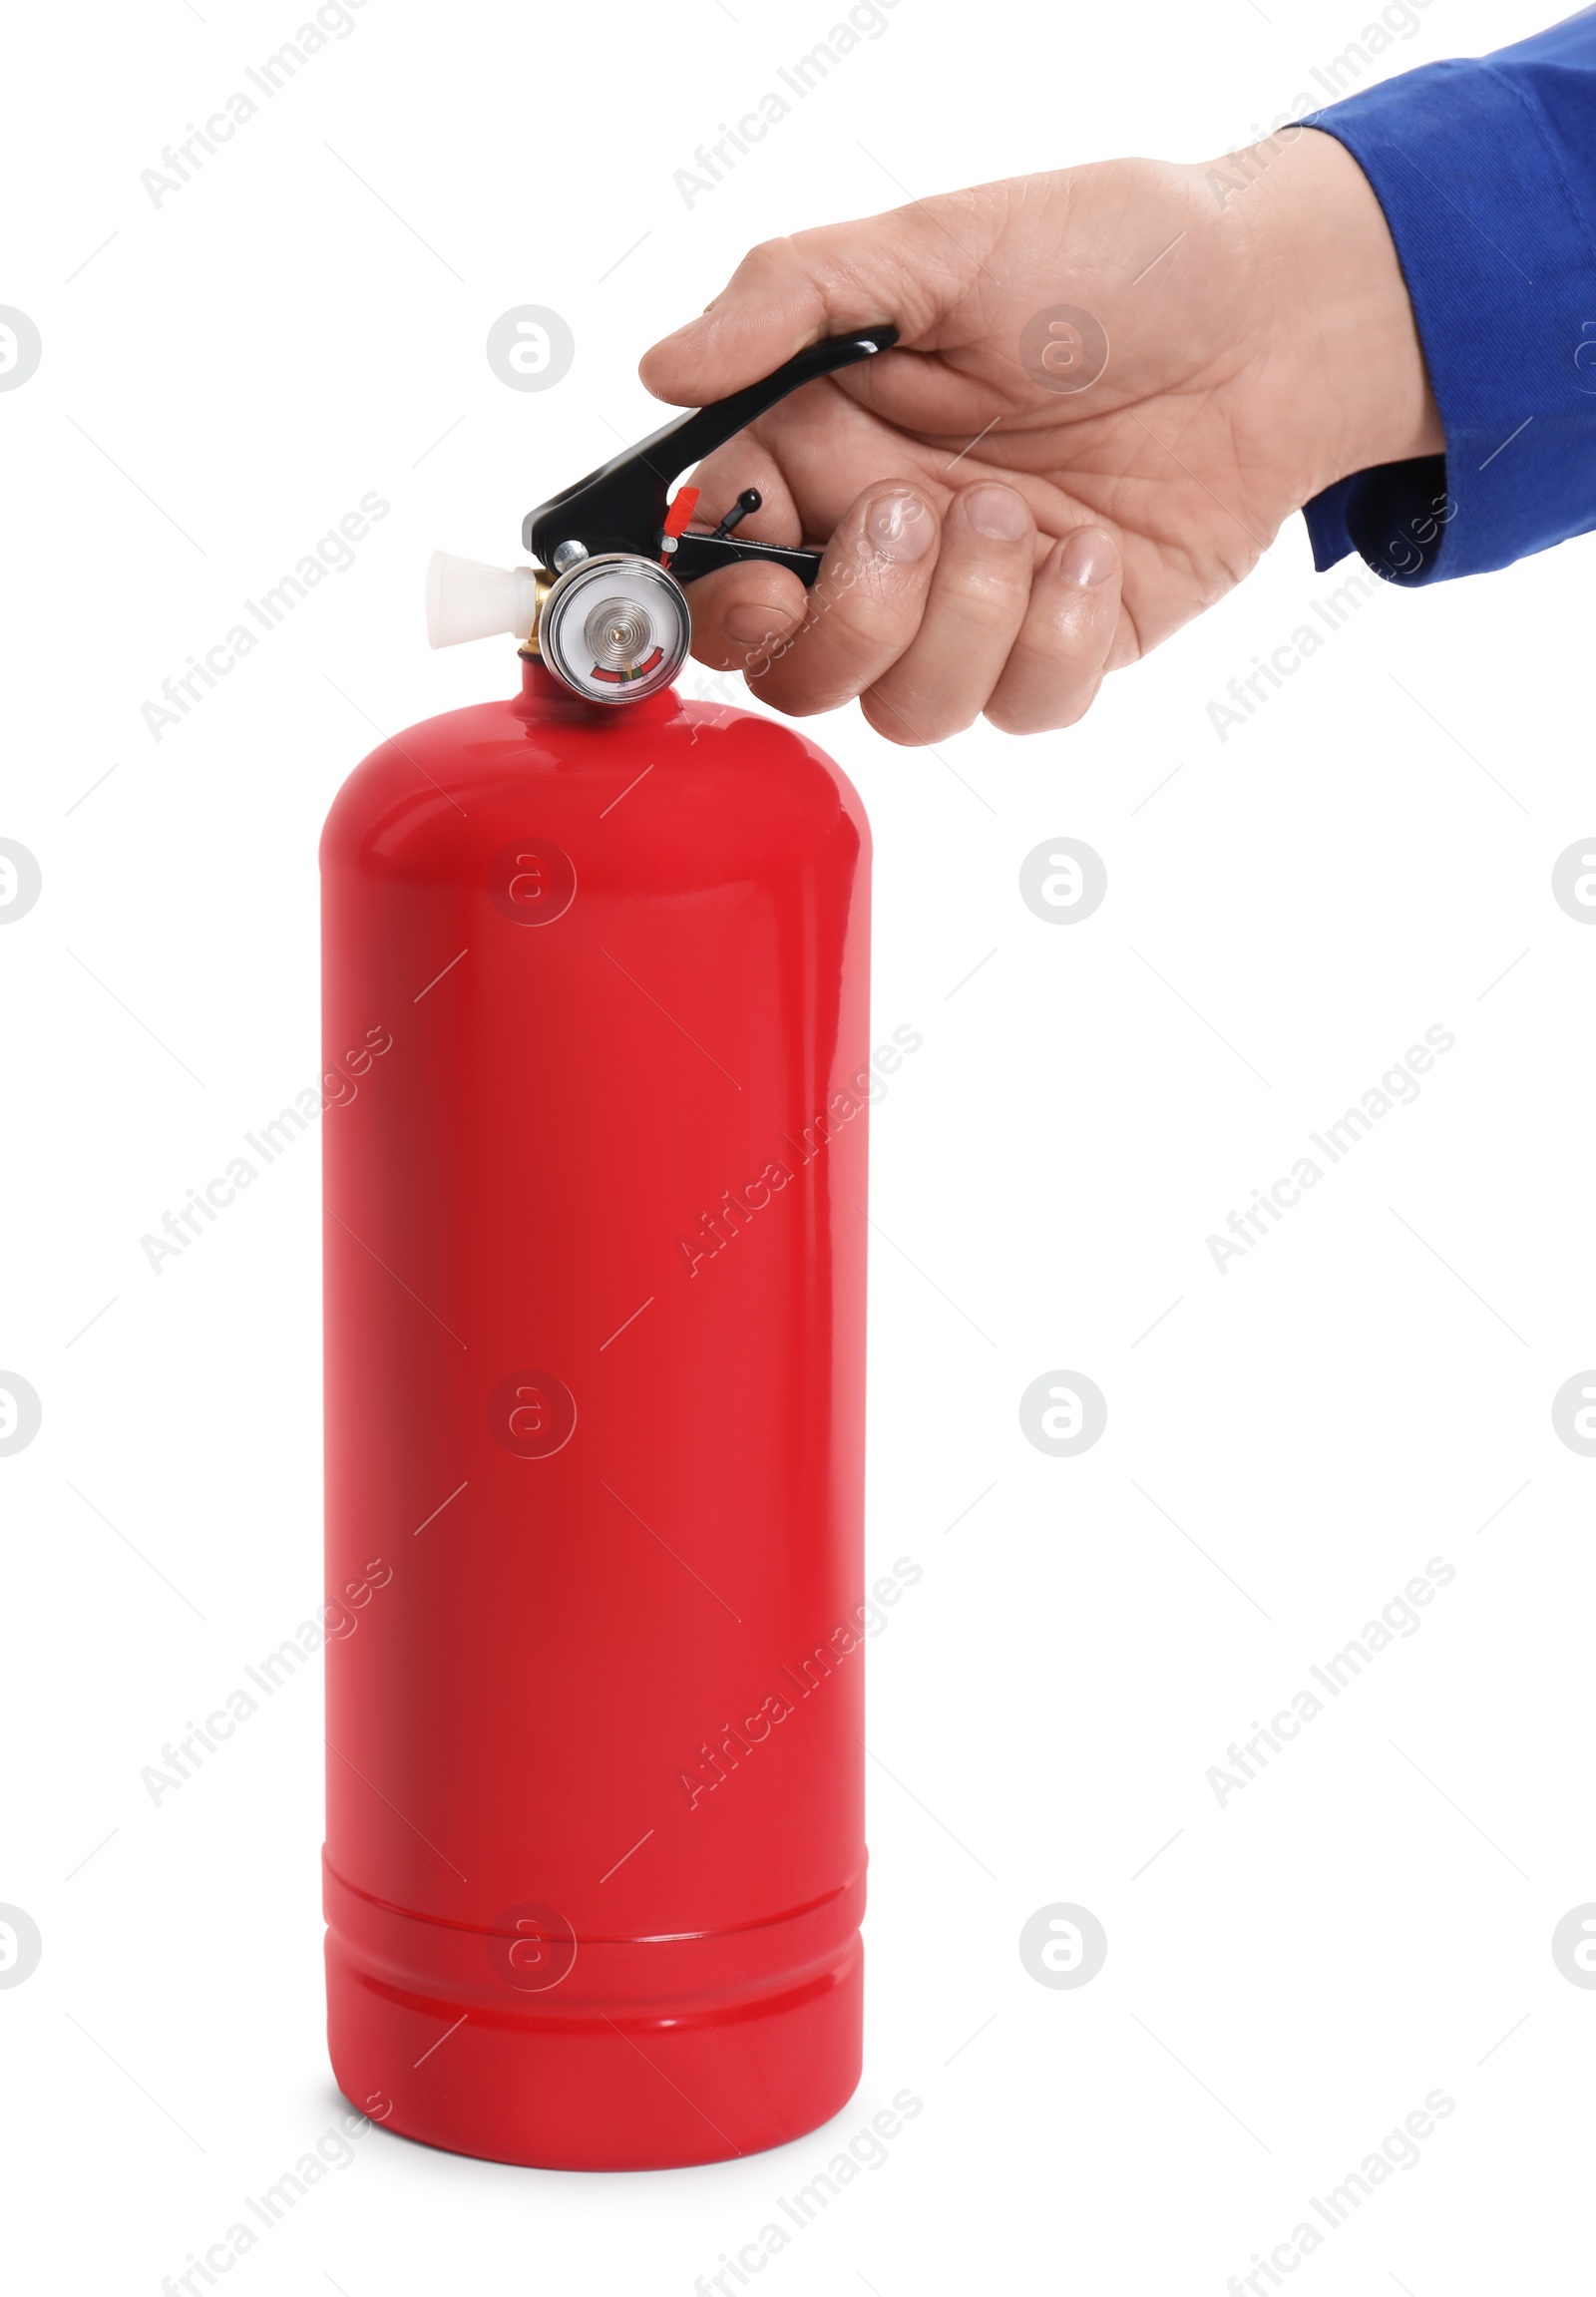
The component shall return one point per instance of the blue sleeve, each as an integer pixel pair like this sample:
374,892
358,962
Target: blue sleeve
1486,171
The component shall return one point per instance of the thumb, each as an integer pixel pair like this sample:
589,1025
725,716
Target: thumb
904,269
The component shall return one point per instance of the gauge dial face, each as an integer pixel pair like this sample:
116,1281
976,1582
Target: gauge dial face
615,628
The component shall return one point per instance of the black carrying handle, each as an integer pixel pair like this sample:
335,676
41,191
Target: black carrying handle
622,505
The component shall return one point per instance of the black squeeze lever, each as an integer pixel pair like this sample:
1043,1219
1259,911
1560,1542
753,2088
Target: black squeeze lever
623,506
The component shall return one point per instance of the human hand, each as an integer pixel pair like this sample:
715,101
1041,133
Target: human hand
1004,528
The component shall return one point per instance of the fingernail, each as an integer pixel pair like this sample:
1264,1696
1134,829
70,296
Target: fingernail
751,625
1087,557
901,527
998,512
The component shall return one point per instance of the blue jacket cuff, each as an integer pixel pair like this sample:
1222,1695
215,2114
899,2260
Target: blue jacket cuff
1484,171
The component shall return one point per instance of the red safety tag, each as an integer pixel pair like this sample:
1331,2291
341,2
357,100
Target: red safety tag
680,511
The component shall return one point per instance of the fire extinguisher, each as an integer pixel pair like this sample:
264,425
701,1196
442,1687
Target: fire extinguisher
595,959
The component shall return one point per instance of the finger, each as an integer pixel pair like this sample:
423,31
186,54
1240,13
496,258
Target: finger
863,610
1056,664
742,614
748,610
747,462
907,267
739,607
811,459
976,605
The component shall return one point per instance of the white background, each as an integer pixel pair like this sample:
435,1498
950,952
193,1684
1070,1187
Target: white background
1370,1387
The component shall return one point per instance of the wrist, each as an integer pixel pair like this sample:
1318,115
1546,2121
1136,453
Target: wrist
1342,348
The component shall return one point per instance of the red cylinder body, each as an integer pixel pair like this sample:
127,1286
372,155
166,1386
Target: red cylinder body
594,1251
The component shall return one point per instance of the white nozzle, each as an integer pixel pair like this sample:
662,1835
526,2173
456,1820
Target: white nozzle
466,599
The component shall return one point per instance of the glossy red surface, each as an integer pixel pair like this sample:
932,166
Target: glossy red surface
594,1856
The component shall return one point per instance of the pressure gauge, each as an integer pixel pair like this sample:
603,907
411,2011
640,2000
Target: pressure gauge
614,627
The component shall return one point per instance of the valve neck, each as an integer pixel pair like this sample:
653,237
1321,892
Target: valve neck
542,695
529,649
